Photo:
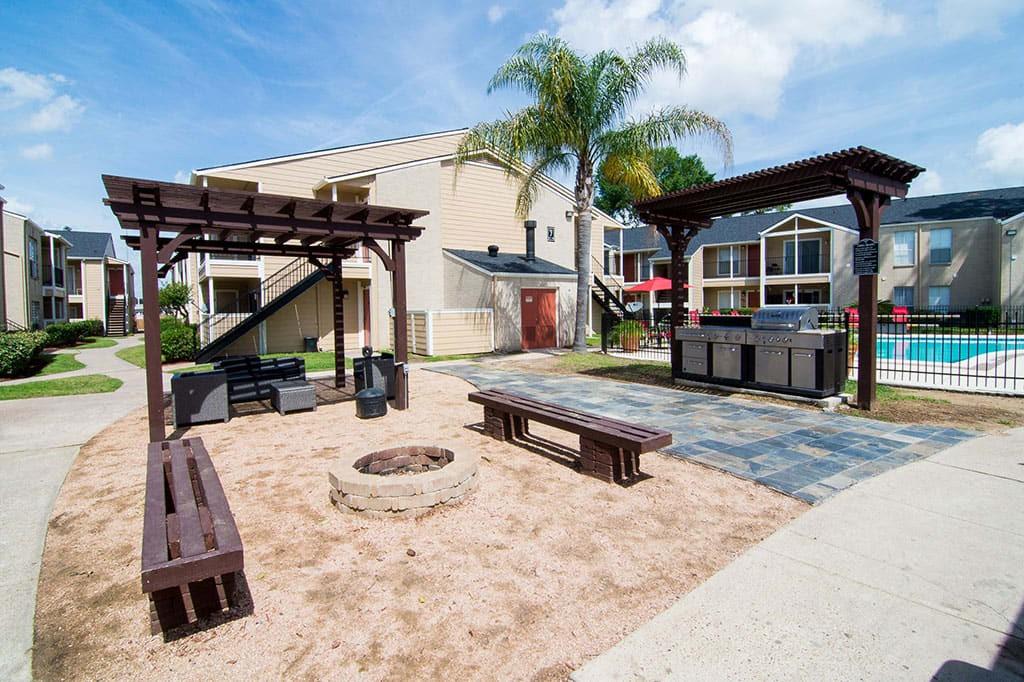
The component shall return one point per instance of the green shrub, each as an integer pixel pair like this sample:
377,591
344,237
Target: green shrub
630,329
178,342
980,317
168,321
746,311
65,333
95,327
885,307
18,350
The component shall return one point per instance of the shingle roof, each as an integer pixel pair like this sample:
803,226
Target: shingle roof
996,203
510,263
89,244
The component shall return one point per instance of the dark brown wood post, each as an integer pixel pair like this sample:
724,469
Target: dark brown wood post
339,323
401,335
678,246
868,206
151,316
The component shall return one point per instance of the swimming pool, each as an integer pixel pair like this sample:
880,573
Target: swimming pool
945,348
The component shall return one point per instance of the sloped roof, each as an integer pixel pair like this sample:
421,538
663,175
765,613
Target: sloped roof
1000,203
510,263
89,244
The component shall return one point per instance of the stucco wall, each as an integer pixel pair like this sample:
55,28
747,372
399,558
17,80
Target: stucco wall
508,331
1011,272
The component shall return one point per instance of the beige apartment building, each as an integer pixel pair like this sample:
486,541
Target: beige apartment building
100,285
942,251
473,284
32,278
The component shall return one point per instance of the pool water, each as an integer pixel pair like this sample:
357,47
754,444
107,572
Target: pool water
945,349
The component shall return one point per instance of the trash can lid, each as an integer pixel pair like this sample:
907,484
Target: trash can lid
371,392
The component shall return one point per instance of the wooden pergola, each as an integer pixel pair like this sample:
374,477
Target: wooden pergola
167,221
867,177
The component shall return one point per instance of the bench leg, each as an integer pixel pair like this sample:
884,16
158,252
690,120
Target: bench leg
520,426
497,424
607,462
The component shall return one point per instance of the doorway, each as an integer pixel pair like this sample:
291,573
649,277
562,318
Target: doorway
539,318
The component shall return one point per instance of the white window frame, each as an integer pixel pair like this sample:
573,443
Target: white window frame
900,303
931,297
931,245
913,249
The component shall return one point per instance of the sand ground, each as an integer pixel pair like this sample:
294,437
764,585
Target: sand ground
538,571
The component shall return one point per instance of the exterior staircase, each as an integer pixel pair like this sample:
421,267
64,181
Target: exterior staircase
217,332
116,325
607,299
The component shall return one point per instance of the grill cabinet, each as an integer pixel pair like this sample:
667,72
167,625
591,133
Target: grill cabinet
783,351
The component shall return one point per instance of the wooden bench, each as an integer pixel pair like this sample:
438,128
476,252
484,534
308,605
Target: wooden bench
191,550
609,448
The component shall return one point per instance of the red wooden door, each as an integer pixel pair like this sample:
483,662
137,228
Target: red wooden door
115,282
538,318
753,261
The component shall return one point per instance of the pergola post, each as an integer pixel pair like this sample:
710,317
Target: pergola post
678,294
401,333
868,206
151,334
339,323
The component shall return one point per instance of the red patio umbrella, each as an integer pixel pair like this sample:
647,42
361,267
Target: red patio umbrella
653,284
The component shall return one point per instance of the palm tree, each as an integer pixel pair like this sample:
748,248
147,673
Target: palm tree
578,120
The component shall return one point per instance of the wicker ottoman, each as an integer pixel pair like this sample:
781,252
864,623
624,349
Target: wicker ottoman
198,397
289,396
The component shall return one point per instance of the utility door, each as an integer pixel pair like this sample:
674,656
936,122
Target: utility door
539,318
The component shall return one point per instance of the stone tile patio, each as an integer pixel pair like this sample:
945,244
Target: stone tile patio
809,455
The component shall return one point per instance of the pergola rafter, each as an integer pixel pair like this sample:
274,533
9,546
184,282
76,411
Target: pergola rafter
167,221
867,177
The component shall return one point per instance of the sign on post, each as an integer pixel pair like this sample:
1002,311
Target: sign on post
865,257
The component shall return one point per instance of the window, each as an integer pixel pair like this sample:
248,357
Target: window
728,261
938,297
36,314
33,259
551,233
724,300
941,243
903,296
75,311
810,297
903,248
810,257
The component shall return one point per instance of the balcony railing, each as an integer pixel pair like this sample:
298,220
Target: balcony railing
48,276
740,268
810,264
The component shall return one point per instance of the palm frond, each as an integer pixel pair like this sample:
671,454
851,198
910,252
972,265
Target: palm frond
633,171
664,127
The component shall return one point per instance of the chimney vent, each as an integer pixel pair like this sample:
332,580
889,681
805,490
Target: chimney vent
531,240
492,250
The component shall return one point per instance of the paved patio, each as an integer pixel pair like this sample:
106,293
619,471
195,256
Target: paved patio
807,454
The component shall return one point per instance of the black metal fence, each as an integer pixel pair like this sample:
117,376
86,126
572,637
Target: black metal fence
978,348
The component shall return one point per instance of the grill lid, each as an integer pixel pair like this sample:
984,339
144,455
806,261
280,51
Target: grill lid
790,318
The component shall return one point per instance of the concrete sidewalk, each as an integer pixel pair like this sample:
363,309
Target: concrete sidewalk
915,574
39,439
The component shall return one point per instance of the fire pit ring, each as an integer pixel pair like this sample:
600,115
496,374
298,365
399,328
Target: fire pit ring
402,481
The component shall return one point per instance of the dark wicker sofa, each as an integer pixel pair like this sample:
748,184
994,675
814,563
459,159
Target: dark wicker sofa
249,377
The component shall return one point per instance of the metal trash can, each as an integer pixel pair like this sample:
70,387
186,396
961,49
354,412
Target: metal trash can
381,371
309,344
371,403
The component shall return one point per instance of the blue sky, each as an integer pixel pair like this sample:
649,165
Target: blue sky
156,89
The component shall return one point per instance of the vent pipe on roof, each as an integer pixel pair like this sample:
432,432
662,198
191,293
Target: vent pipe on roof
531,240
492,250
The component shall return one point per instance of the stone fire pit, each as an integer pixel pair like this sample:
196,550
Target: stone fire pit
402,481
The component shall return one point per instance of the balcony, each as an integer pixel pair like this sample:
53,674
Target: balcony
810,263
53,277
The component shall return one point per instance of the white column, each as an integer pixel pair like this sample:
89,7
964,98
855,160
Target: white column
796,246
761,276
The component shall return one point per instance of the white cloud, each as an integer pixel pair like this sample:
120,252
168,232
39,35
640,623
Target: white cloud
927,184
739,52
1002,150
37,152
496,13
57,114
961,18
12,204
19,87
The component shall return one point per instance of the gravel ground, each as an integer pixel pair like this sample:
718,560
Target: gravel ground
538,571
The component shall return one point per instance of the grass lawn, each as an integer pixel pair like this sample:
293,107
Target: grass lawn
133,354
90,383
887,394
56,363
96,342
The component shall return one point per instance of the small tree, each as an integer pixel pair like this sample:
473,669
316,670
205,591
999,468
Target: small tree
176,297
